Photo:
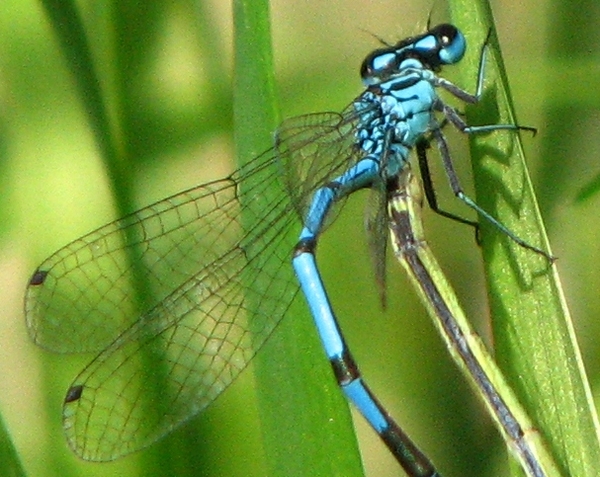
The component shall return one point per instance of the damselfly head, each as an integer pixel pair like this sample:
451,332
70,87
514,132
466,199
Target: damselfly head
442,45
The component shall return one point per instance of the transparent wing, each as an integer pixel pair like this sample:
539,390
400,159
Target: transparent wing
310,166
182,354
83,296
376,225
196,290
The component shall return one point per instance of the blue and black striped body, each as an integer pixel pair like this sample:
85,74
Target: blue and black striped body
396,110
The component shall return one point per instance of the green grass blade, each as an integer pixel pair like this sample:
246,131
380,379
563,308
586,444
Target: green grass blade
534,337
70,31
117,157
10,464
305,421
589,190
465,346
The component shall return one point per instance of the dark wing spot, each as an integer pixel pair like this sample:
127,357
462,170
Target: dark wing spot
74,393
38,277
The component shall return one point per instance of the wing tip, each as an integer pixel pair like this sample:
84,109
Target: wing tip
38,277
74,393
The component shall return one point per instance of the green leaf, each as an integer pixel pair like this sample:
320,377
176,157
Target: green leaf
70,31
534,339
10,464
305,421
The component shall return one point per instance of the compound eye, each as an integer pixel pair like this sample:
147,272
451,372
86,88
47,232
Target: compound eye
383,62
452,43
446,34
378,66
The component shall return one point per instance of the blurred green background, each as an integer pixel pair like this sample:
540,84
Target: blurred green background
177,124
